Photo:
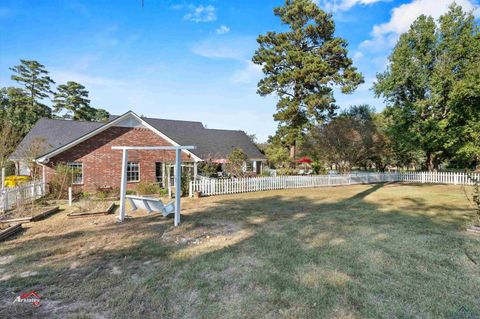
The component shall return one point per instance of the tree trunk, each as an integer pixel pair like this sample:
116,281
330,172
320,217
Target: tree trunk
293,151
429,163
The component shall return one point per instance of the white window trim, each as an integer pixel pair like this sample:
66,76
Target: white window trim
134,181
70,164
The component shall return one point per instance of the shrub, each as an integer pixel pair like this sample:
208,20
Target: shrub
102,192
145,188
286,171
208,169
475,197
60,182
185,184
163,192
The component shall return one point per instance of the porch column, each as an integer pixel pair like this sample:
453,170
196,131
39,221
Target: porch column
123,185
163,174
44,178
168,175
195,170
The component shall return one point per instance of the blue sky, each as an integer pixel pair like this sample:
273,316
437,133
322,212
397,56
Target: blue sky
188,59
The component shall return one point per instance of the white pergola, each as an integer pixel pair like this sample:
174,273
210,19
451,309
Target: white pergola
178,174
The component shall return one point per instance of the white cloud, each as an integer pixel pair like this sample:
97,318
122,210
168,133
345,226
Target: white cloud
344,5
386,34
201,14
235,48
358,56
223,29
62,76
250,74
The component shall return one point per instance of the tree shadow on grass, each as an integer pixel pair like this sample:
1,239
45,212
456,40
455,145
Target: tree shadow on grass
272,256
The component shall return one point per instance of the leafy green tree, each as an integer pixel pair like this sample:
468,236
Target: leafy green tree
101,115
302,66
15,107
9,138
35,81
351,139
431,103
277,153
236,160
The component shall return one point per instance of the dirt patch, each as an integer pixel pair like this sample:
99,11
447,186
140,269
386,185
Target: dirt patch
87,205
198,234
25,211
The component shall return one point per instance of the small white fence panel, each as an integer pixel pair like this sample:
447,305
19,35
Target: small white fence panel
12,197
211,186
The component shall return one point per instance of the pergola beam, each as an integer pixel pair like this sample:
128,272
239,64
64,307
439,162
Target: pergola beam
178,174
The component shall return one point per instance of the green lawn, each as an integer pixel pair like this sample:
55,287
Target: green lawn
365,251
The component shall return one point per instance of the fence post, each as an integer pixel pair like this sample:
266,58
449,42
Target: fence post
190,189
33,191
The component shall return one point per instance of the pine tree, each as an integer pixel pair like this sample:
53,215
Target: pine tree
35,81
302,66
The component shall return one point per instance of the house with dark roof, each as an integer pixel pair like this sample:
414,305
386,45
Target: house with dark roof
87,148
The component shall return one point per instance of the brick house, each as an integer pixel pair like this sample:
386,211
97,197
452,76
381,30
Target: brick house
86,147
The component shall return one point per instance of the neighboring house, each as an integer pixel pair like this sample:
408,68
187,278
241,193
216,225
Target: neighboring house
87,147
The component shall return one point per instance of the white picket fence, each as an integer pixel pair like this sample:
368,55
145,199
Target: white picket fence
17,196
209,187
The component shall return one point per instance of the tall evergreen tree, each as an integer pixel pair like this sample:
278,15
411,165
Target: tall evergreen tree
302,66
72,99
35,80
71,102
425,82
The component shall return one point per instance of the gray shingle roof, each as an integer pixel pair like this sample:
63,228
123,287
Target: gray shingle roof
54,134
211,143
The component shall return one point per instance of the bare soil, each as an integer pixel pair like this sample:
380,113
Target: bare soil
26,211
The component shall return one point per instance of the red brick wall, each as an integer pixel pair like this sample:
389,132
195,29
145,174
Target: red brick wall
102,165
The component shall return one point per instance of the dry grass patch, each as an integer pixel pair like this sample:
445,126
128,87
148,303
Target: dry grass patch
364,251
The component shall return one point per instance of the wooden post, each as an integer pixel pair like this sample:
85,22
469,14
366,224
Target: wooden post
178,176
70,196
195,170
123,185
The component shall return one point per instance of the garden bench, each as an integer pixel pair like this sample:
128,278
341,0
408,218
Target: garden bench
151,204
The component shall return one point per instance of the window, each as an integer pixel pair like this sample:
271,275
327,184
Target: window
133,172
249,166
159,172
77,172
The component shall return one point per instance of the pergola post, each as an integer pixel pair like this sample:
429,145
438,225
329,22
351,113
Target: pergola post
178,180
123,185
178,175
